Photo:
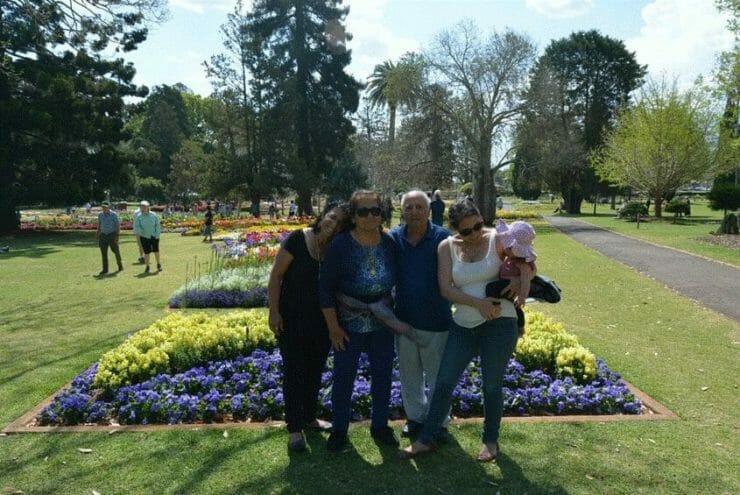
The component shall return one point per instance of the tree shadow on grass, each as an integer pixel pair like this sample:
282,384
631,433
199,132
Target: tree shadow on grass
358,470
42,244
31,356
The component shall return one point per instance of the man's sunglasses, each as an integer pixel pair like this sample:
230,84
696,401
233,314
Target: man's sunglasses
363,211
474,228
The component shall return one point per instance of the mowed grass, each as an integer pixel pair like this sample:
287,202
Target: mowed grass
56,318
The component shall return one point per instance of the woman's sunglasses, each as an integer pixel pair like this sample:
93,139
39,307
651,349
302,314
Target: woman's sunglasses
468,231
363,211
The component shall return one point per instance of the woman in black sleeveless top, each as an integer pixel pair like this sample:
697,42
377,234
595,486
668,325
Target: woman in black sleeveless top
297,321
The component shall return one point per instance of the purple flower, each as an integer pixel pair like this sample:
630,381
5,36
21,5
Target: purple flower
250,387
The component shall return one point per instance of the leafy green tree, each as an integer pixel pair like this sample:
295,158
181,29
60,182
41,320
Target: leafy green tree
725,196
346,177
166,124
728,88
243,116
391,85
486,79
302,57
525,181
61,98
189,170
576,89
659,144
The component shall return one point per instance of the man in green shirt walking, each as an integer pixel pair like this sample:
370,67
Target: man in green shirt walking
148,227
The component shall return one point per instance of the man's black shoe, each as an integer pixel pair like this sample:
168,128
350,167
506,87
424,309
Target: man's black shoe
385,436
120,268
336,442
411,429
104,272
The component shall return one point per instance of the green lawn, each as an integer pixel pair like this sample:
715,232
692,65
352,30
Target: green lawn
56,318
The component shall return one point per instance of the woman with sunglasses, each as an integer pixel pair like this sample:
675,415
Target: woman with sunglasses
359,264
481,325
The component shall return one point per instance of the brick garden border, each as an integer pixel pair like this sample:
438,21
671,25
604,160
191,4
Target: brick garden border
25,424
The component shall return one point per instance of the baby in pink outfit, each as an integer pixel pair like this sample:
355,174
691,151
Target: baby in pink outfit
518,265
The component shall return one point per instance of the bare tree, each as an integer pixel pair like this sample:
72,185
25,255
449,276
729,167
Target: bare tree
487,78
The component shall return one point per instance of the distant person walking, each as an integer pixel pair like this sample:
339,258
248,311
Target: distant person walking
138,237
148,226
292,209
109,229
208,225
438,208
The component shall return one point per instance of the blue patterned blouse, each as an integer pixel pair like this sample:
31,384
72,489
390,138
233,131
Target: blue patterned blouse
366,273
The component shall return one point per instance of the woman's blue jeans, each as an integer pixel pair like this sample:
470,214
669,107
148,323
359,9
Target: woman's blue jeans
379,346
494,341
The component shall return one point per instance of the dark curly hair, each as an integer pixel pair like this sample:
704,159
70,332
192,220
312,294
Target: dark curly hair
462,209
342,207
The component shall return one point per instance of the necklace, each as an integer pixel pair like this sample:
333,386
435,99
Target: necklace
372,261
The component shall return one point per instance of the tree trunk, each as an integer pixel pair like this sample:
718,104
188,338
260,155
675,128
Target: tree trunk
484,191
658,206
256,199
572,200
9,221
304,203
392,125
8,218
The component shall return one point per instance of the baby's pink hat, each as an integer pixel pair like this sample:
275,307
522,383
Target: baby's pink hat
519,237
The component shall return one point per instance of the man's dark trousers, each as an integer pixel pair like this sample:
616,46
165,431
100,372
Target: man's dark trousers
105,241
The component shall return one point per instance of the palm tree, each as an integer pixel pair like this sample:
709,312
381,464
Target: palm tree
392,85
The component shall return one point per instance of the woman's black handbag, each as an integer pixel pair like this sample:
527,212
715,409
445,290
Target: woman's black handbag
541,288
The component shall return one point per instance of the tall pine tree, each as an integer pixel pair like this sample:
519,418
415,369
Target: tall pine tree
303,56
61,101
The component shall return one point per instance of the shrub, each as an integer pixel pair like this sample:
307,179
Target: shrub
178,342
577,362
679,207
548,347
632,210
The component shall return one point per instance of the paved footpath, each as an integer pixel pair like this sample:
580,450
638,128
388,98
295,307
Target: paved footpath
713,284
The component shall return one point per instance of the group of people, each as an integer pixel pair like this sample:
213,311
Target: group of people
344,283
146,227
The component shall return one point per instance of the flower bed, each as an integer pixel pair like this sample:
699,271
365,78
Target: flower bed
183,223
255,297
248,387
236,276
233,283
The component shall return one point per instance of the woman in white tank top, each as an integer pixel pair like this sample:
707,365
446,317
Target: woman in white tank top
481,326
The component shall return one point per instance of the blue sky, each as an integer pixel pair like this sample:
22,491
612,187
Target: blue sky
678,38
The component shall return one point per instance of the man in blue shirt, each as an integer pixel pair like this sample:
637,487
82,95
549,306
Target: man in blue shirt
109,228
419,303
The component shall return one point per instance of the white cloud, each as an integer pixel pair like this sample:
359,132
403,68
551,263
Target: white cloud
560,8
372,42
201,6
681,38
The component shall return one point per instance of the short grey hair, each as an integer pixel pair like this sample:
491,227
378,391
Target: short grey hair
415,192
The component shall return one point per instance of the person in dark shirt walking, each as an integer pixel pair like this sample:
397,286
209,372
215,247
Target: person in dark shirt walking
109,229
208,228
438,208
